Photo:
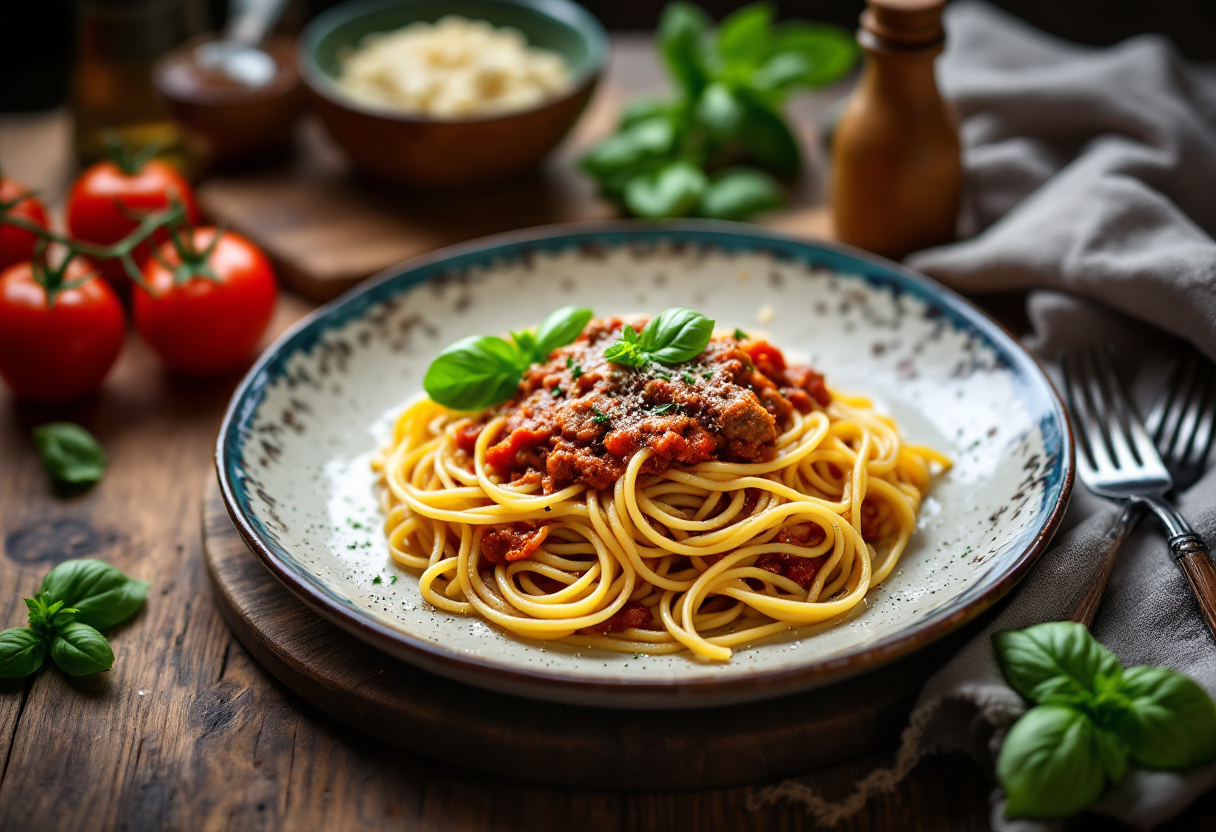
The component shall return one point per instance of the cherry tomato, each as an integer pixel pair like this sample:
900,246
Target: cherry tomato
17,244
106,201
64,351
208,323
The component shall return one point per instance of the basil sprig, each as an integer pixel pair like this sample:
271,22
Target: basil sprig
78,599
676,335
69,453
682,155
484,370
1091,719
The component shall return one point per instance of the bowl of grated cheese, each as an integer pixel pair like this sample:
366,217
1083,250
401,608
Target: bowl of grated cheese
451,93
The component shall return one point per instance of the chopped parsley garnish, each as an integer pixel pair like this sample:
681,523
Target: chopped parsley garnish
689,378
392,579
663,375
663,408
377,580
708,374
575,372
569,361
599,418
740,335
558,392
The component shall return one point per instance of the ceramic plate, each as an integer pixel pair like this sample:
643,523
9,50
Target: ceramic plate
294,448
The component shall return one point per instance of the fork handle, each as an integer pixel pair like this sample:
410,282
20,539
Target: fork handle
1108,553
1195,559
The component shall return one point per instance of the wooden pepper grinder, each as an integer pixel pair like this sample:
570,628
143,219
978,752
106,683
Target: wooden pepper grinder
896,151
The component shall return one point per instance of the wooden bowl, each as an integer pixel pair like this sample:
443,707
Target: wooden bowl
230,121
430,152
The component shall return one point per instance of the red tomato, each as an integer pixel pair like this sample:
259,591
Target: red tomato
207,325
17,244
62,352
105,200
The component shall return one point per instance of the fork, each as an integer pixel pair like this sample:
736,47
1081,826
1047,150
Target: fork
1119,461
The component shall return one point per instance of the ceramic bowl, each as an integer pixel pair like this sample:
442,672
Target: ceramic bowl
294,449
420,151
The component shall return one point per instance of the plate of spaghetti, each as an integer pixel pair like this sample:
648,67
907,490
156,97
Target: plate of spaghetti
647,466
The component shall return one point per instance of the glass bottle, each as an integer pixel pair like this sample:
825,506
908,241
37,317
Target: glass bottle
897,158
117,43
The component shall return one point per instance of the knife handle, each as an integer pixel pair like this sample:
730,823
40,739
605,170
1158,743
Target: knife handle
1108,552
1195,559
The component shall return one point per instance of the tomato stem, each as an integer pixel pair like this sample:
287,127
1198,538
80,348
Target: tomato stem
120,153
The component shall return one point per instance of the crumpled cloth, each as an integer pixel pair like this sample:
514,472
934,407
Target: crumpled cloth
1090,178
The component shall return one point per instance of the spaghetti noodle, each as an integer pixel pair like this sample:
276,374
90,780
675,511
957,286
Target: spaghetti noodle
698,507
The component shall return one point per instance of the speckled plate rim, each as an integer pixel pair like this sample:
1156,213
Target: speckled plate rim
557,685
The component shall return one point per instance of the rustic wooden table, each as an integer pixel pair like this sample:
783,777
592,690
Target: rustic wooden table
188,732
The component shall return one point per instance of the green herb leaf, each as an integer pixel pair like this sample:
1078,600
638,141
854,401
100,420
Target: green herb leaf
720,112
1056,662
1055,762
640,148
69,453
560,328
599,418
625,350
683,31
672,191
645,109
22,651
79,650
689,378
740,335
377,580
1171,723
740,193
101,595
829,51
676,335
474,373
769,141
663,408
743,35
576,372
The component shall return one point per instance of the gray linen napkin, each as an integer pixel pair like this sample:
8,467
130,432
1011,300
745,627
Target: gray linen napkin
1091,172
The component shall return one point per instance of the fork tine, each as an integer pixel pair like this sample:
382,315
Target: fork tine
1123,423
1171,427
1155,421
1088,425
1200,440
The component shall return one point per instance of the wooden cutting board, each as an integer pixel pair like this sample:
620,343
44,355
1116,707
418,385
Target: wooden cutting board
395,702
326,227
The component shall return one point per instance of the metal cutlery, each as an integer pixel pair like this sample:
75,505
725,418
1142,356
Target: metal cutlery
1117,459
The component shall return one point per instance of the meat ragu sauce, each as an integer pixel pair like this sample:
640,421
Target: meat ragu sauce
579,418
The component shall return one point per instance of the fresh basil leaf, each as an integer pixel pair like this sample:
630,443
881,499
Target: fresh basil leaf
672,191
474,373
69,453
683,30
720,112
676,335
739,193
640,148
1055,762
79,650
560,328
527,348
625,354
743,35
781,71
1055,662
645,109
102,595
22,651
1171,721
768,141
830,51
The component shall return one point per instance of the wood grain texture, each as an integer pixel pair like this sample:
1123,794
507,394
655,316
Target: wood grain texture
1112,542
1195,560
326,227
398,703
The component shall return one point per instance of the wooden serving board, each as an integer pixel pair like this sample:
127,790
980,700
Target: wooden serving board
327,227
400,704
